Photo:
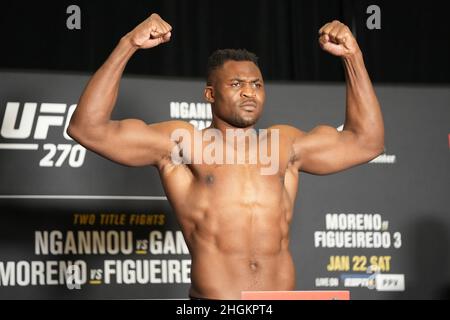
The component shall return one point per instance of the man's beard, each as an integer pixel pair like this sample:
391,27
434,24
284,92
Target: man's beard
242,122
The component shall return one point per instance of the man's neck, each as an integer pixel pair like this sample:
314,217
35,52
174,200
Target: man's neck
224,126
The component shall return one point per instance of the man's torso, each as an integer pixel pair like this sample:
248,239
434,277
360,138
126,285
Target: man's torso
235,221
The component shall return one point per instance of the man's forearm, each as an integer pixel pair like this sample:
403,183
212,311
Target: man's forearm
98,99
363,114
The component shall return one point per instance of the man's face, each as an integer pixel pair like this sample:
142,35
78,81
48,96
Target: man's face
238,95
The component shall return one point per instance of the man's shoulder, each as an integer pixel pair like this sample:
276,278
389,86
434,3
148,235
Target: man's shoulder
287,130
293,131
173,125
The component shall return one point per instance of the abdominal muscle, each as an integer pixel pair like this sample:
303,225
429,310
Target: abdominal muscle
223,276
239,246
236,225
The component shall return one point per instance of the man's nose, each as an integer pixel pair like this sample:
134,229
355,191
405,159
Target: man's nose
248,91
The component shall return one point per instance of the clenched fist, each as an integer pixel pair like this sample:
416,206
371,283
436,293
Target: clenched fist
150,33
337,39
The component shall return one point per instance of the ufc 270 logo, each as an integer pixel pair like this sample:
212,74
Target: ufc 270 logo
18,130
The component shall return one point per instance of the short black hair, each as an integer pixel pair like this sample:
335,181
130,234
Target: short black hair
219,57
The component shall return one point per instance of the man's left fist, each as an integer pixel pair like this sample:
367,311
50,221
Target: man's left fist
337,39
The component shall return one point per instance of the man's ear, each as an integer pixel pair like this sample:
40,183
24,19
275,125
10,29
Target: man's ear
209,94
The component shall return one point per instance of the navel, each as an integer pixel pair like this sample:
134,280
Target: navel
254,265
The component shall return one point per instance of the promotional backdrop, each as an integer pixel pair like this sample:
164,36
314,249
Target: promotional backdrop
75,225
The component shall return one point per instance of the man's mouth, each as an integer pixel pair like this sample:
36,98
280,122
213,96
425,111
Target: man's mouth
248,106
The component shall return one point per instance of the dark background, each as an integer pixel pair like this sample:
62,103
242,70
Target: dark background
412,46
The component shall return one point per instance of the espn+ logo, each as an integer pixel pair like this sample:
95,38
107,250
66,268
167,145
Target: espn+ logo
19,133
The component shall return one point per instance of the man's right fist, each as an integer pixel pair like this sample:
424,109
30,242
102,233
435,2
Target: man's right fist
150,33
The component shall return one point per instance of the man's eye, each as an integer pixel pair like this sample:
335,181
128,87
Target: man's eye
257,85
235,84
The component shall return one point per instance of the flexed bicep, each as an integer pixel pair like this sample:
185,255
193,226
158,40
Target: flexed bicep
132,142
129,142
325,150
